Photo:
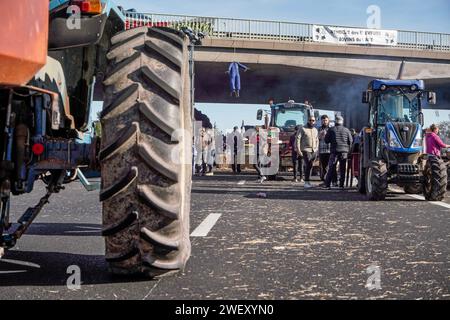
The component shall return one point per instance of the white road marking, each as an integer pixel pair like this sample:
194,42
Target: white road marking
15,271
88,229
438,203
418,197
203,229
91,228
241,182
21,263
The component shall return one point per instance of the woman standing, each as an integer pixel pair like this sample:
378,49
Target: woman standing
434,144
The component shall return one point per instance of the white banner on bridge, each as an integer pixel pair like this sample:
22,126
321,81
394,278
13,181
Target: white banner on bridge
344,35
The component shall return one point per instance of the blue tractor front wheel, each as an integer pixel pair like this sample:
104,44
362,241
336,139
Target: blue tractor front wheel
376,180
435,175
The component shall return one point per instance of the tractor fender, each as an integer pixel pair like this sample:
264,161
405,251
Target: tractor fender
63,34
51,77
366,142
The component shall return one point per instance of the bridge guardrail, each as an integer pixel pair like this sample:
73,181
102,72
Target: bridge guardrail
232,28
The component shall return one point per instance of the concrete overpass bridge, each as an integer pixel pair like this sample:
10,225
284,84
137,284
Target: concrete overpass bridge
286,61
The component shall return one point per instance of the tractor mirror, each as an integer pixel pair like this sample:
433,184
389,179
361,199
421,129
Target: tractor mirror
431,98
259,114
421,120
366,97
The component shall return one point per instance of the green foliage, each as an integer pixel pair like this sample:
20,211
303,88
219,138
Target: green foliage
97,128
197,26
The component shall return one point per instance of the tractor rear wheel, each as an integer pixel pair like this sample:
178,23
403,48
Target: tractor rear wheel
435,175
376,181
146,151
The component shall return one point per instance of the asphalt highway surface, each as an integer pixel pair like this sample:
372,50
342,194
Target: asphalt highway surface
249,241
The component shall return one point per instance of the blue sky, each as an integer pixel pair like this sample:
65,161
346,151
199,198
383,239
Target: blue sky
415,15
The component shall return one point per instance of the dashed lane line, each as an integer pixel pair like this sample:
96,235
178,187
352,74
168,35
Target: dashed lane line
13,271
20,263
438,203
203,229
418,197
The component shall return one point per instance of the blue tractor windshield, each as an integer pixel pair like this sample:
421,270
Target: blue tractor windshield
398,105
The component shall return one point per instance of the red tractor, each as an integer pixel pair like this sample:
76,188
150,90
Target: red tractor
283,118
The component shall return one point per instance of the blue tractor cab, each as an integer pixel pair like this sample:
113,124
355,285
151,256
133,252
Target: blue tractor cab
392,146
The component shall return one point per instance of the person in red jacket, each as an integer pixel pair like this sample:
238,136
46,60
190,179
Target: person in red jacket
433,141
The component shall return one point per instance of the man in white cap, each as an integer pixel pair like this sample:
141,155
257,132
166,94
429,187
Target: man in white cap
341,140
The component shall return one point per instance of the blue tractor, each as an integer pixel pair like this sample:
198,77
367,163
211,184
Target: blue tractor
392,145
65,54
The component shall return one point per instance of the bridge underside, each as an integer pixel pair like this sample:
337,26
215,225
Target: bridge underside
324,89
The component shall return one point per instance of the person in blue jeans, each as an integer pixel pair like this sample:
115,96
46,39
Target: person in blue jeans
235,78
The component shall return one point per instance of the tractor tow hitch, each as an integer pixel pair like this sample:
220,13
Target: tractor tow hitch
9,239
10,236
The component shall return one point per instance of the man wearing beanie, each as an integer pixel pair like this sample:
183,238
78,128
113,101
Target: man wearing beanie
341,140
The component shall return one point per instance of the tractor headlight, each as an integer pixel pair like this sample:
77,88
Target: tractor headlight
393,141
418,140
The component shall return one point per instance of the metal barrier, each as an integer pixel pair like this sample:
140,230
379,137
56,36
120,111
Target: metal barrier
271,30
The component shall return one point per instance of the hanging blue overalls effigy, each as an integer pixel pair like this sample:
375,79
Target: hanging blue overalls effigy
235,78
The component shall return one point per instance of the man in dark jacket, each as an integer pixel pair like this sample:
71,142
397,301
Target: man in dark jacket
325,150
341,140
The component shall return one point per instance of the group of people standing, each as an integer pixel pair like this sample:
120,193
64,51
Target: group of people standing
331,145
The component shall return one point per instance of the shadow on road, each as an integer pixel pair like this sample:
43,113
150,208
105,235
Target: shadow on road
27,268
65,229
345,195
230,176
300,194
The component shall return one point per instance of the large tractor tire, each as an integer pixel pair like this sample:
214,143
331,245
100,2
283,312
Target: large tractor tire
448,174
435,184
376,181
413,189
146,151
